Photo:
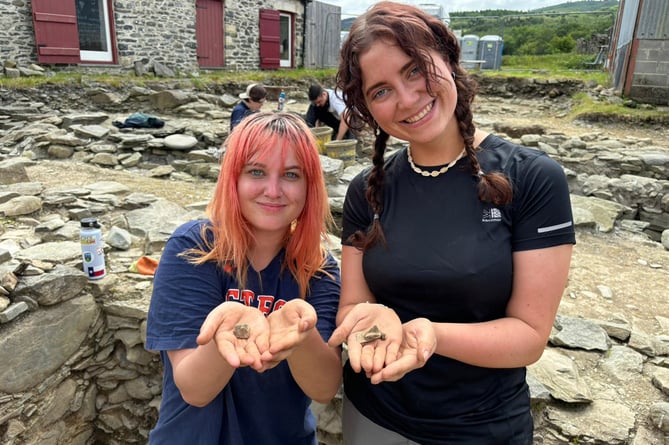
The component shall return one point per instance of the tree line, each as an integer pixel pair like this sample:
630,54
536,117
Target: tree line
539,32
552,30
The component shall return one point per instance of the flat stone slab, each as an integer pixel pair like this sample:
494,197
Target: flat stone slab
180,142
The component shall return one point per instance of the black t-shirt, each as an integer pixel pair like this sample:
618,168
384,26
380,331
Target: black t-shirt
449,258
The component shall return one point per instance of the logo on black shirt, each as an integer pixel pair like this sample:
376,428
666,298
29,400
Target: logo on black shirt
491,215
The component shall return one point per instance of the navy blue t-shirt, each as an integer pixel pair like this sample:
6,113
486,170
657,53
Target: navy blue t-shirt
239,112
449,258
253,408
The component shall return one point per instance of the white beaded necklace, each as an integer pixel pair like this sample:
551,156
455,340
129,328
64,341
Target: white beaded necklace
434,173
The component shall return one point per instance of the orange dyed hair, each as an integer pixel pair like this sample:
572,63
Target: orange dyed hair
232,235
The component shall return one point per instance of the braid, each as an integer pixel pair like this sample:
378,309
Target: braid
465,117
416,33
375,181
374,195
493,187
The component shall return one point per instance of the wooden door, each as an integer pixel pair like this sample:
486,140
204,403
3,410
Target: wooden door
209,33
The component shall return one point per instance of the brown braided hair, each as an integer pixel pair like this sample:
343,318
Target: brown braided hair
416,33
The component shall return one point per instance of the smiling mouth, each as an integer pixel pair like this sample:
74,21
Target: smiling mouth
271,206
421,114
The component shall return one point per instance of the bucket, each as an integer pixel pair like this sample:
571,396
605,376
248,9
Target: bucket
344,150
322,135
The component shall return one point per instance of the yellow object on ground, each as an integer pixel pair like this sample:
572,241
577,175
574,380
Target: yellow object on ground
322,135
344,150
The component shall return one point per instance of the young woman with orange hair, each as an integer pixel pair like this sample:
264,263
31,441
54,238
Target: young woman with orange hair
256,261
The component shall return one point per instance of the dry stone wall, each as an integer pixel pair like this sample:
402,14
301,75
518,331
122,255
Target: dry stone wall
146,41
79,373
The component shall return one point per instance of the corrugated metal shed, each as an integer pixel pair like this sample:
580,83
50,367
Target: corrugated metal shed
654,20
640,50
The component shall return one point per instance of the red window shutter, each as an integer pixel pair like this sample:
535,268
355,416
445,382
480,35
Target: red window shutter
56,32
270,34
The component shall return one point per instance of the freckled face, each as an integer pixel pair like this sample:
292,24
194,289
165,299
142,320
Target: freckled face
397,97
272,192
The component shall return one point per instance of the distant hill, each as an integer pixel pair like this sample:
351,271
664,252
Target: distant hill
581,6
566,7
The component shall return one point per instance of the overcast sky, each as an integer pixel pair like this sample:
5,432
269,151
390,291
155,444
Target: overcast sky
355,7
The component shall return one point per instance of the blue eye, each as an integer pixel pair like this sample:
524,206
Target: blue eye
292,175
380,93
256,172
414,72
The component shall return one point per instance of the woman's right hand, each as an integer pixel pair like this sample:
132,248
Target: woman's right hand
374,355
219,326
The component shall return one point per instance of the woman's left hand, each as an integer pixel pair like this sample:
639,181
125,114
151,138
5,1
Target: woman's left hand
419,341
289,326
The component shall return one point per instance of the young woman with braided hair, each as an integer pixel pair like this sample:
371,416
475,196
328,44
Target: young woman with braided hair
456,248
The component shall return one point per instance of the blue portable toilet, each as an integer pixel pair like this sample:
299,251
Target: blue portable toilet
469,50
490,50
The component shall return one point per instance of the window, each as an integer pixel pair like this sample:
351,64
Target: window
286,40
94,36
73,31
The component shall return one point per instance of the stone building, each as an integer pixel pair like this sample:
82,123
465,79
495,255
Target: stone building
639,51
184,36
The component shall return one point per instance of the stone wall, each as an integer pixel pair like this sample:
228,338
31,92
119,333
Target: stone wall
75,370
74,367
242,37
161,31
156,30
17,35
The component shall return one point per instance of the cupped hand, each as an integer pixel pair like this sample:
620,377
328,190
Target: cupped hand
369,356
289,327
219,326
419,341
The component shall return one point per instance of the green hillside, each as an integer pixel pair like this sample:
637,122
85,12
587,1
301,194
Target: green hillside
581,6
550,30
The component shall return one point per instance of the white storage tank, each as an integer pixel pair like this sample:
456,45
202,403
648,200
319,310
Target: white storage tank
437,11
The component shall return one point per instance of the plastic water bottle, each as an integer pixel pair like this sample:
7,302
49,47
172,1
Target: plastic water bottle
282,101
92,248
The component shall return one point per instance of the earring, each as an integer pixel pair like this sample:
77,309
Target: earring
453,74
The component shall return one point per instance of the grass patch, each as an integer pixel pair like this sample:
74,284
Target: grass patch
58,78
564,66
547,66
201,81
69,78
585,107
279,77
551,62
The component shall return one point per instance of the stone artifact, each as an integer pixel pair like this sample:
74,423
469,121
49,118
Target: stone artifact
374,333
242,331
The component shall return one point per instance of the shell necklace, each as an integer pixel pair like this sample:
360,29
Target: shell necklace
434,173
